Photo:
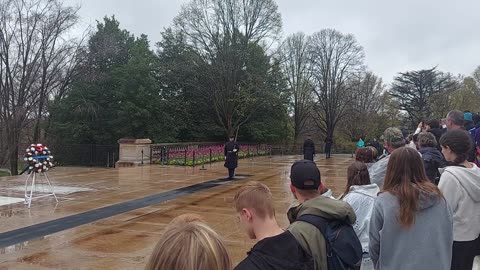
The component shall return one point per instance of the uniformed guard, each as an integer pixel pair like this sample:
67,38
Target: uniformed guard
328,147
231,156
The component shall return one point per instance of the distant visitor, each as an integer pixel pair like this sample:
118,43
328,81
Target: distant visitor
308,148
360,143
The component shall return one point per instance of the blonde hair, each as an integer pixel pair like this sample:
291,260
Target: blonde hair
189,244
257,196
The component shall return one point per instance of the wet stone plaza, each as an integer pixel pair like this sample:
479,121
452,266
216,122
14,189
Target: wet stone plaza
112,218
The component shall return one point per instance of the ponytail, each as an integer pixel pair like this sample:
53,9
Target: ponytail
357,175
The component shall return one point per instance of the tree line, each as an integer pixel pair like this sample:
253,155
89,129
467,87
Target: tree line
222,67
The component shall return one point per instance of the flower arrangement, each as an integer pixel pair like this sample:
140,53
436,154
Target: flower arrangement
38,158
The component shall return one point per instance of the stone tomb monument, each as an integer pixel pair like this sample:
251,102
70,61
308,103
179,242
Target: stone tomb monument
131,152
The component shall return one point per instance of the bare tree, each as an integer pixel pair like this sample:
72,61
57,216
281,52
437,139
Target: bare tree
336,59
223,34
368,98
34,55
296,66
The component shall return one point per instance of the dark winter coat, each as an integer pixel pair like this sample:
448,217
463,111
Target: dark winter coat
308,149
231,156
437,132
377,146
281,252
433,160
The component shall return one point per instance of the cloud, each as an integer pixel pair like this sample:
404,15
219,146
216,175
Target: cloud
397,35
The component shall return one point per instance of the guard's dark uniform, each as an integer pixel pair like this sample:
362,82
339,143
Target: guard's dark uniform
328,147
231,158
308,149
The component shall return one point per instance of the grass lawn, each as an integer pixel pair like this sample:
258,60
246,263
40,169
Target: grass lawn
2,173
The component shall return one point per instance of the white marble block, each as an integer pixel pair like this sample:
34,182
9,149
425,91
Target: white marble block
131,152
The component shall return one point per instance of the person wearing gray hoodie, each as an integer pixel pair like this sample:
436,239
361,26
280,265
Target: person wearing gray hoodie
460,184
416,233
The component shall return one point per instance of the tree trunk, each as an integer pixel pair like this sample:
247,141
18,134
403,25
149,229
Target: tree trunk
13,149
36,131
14,160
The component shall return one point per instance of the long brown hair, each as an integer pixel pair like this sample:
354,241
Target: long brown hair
357,175
459,141
188,243
405,179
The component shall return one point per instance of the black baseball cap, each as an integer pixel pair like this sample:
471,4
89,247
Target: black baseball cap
304,174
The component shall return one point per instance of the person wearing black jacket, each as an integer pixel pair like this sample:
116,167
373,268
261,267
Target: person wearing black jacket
432,158
308,148
231,156
276,249
433,126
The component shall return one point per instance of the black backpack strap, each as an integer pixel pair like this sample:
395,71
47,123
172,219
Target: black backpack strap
320,223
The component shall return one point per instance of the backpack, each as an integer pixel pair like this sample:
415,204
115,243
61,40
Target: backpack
476,159
344,250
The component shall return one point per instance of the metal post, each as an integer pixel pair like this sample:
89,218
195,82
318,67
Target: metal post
151,154
185,161
193,163
26,186
50,185
113,159
210,155
142,156
203,162
167,151
108,159
168,155
31,190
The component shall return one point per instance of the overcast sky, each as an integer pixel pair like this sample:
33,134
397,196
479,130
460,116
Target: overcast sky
396,35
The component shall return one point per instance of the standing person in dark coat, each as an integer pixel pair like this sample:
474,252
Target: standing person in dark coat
376,144
432,158
308,148
231,156
328,146
433,126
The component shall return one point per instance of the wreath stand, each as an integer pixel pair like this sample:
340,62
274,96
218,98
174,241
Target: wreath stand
30,181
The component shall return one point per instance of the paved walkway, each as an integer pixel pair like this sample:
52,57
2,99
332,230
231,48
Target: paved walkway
125,239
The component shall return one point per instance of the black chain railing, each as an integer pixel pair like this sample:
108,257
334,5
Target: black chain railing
192,154
82,154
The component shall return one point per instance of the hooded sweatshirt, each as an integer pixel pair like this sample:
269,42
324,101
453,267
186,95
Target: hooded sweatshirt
361,198
280,252
437,132
427,244
461,188
307,235
378,171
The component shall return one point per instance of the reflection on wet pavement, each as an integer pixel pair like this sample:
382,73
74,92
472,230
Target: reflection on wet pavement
124,241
